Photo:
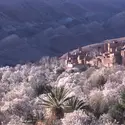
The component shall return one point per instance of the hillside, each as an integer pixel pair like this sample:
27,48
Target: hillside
38,86
99,94
56,27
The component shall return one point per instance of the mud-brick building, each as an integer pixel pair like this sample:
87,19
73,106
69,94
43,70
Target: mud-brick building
108,54
104,60
110,47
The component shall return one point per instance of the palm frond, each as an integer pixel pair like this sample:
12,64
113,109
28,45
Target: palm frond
75,104
57,96
61,93
47,103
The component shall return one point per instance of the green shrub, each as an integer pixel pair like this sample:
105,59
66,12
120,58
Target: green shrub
116,112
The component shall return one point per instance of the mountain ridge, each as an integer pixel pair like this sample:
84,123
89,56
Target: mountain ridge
95,45
53,31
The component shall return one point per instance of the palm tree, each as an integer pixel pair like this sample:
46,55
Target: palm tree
56,102
75,104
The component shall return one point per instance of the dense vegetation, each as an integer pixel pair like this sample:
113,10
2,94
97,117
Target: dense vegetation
44,94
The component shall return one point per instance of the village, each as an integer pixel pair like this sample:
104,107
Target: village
106,54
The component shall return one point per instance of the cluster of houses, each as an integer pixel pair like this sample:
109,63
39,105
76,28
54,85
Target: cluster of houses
107,55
